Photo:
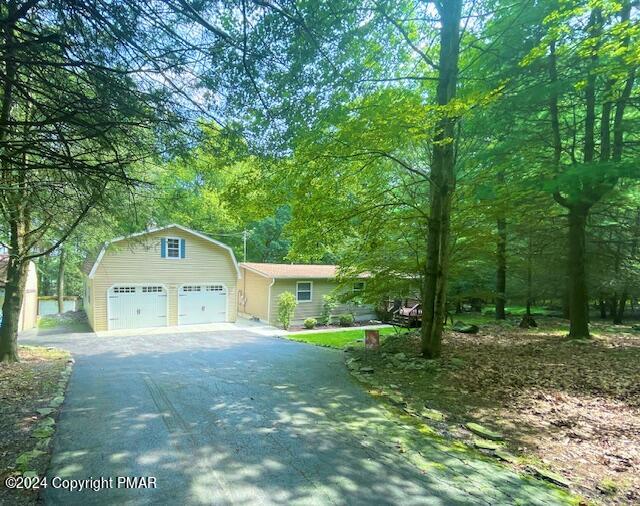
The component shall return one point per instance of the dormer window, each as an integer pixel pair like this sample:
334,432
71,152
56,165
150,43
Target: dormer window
172,247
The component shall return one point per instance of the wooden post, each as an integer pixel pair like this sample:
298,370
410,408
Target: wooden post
371,339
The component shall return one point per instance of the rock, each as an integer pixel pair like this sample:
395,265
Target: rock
366,379
45,411
460,326
486,444
42,432
506,456
23,460
550,476
366,370
56,402
397,399
483,432
43,443
352,363
432,414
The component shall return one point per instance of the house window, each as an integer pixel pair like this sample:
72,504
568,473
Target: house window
173,248
303,291
358,287
124,289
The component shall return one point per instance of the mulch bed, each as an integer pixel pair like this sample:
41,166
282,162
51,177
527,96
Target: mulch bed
25,387
573,407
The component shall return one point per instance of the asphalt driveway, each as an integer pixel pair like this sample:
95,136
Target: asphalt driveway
232,417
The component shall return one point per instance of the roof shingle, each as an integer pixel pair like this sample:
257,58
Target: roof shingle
297,271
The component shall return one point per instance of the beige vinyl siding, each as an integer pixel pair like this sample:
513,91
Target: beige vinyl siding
88,301
312,309
254,299
138,260
28,318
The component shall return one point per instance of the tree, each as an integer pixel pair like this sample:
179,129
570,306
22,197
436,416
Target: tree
442,179
60,284
588,154
74,126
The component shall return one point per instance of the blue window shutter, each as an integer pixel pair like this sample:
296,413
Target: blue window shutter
163,247
182,248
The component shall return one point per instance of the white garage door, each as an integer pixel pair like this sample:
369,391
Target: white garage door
202,304
137,306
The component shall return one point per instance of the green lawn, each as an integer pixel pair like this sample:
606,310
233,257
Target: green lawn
68,322
520,310
339,338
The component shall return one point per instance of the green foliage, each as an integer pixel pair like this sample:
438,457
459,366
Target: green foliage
310,323
286,308
346,320
341,338
329,303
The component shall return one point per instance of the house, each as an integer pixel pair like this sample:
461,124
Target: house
165,276
29,311
262,284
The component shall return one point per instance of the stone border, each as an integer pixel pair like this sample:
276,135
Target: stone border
489,442
45,428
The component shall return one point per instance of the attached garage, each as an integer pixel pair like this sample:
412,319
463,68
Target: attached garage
202,304
137,306
165,276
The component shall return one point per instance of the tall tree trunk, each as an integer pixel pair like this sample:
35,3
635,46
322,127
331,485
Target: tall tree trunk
60,288
13,294
578,297
501,269
442,183
602,304
529,275
618,310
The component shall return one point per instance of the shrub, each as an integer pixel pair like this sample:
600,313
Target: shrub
329,303
346,320
309,323
286,308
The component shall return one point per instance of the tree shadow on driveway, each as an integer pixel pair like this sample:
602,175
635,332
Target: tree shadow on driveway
242,419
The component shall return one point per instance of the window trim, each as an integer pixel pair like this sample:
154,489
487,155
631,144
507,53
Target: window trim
166,256
310,283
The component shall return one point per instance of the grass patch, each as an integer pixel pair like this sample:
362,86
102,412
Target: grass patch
26,387
48,322
340,338
72,321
